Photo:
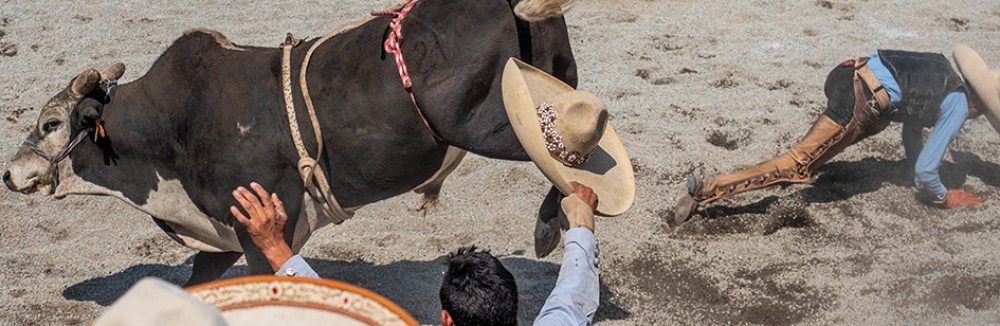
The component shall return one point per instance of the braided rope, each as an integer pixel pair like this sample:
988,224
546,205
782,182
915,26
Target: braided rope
313,177
392,45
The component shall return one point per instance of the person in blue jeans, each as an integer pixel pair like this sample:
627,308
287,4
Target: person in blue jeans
477,289
864,95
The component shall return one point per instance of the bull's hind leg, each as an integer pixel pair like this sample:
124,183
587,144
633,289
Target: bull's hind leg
432,187
547,233
208,266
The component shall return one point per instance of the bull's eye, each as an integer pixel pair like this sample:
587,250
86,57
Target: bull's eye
51,126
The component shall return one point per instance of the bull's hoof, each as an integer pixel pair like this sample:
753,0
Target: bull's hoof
683,211
429,203
547,237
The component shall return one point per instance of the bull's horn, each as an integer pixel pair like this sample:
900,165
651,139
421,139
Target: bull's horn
85,82
114,72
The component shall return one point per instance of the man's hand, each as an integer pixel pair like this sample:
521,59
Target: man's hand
580,216
974,110
960,198
265,224
585,193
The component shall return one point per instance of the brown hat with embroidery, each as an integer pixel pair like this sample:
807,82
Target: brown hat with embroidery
282,300
566,133
982,82
253,300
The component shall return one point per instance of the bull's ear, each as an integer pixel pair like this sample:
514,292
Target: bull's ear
85,82
87,113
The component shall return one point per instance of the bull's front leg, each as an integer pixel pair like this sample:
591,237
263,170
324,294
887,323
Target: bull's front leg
208,266
265,214
256,260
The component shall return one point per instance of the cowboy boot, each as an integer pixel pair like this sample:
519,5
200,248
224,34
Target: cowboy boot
824,140
796,165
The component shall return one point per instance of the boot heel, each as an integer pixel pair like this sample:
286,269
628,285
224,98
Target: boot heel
694,184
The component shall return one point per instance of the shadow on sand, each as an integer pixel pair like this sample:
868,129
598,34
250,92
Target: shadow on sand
842,180
413,285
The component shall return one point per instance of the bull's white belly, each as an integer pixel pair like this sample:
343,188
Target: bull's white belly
170,203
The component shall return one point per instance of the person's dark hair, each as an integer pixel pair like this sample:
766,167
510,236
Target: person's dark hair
478,290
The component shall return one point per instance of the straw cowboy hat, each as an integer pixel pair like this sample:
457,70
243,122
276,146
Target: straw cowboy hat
982,82
566,134
254,300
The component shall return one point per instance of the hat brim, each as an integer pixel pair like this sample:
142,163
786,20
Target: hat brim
274,300
608,171
981,81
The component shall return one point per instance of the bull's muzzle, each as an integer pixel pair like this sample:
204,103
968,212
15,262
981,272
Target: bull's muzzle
24,174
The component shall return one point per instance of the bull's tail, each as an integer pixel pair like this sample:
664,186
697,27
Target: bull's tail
539,10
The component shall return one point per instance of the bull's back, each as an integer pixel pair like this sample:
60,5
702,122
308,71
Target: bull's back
378,147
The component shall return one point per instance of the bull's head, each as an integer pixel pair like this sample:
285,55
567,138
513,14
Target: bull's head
36,166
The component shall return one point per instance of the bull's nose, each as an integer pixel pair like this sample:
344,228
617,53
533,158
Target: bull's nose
6,180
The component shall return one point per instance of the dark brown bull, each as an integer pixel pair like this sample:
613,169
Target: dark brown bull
209,116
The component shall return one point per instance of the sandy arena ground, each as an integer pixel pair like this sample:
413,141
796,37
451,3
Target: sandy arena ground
692,84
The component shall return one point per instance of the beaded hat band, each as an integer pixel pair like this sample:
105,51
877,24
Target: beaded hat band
553,141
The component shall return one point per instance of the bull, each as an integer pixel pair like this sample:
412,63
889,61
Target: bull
209,116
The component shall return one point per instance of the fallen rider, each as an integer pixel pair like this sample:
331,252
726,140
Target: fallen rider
864,95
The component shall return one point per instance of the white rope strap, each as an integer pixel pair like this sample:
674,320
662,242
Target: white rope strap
313,177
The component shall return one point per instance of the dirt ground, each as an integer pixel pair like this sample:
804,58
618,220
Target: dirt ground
712,85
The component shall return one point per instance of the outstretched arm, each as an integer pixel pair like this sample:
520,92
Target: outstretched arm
576,296
265,222
954,111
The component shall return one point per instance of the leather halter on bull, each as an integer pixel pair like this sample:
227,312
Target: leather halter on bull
54,160
110,80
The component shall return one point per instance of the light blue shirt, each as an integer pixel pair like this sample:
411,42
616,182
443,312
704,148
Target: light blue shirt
573,301
954,111
885,77
576,296
296,266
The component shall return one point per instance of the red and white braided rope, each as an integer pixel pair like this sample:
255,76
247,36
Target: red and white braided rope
393,46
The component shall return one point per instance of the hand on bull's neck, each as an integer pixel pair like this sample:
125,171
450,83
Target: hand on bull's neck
265,222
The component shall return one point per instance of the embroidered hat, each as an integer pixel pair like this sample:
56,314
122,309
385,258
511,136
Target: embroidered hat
279,300
566,134
982,81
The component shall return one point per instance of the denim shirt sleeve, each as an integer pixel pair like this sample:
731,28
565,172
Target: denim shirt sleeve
954,111
296,266
886,78
576,296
